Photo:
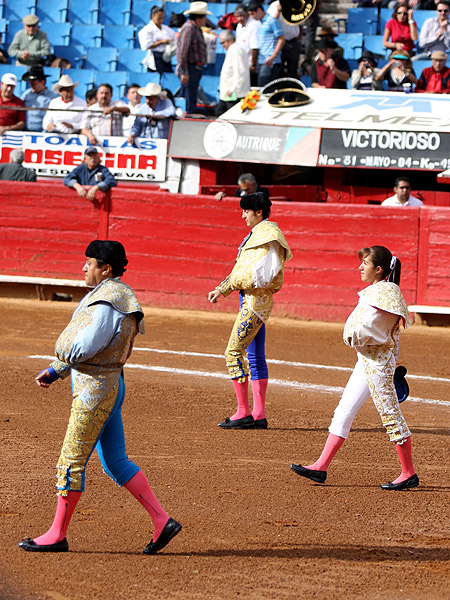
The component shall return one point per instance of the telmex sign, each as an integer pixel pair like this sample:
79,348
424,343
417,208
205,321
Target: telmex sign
55,155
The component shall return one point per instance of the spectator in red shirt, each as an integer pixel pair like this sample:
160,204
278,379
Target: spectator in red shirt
400,31
10,119
435,79
329,70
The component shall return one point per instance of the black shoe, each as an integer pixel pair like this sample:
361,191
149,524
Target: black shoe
409,483
260,423
244,423
317,476
171,528
30,546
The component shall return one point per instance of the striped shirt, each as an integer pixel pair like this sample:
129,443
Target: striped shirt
269,33
191,47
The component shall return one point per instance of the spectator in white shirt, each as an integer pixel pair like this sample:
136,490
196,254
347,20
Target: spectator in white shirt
104,118
66,111
156,38
402,196
235,74
435,32
247,38
135,104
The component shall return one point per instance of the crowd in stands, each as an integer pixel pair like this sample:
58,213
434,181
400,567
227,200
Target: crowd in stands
255,45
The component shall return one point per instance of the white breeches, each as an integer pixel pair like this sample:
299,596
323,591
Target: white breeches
356,393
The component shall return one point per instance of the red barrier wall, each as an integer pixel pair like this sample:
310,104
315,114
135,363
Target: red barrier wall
180,247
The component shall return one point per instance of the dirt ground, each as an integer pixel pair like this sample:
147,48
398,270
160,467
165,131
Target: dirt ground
252,529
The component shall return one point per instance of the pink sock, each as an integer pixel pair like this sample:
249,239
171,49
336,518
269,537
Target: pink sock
332,445
241,390
141,490
259,388
405,456
65,506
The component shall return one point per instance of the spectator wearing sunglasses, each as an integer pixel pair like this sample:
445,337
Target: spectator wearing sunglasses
400,31
435,32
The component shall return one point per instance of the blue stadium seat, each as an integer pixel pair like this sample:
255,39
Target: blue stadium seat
306,79
104,59
3,23
143,78
130,59
218,9
385,15
119,14
74,53
171,82
362,20
58,35
176,7
140,11
119,36
118,80
215,68
231,7
374,43
18,71
352,44
419,66
85,77
89,36
15,10
420,16
11,30
180,103
52,10
210,86
53,75
83,11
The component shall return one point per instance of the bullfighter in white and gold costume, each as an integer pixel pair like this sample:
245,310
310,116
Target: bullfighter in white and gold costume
373,329
93,349
257,275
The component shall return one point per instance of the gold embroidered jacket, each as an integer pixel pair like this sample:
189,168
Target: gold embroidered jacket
259,268
98,340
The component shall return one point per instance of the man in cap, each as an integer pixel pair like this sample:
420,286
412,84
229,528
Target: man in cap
402,196
247,38
271,42
154,118
257,275
66,111
104,118
30,46
191,53
90,173
10,119
14,171
234,75
329,70
435,79
93,350
37,96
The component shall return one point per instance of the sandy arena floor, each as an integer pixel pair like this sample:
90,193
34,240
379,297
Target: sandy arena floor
252,529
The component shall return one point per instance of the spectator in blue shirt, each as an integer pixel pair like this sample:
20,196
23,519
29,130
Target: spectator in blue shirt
37,96
90,173
154,118
271,41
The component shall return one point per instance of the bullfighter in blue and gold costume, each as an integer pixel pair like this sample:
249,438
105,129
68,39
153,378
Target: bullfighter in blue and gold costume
257,275
93,349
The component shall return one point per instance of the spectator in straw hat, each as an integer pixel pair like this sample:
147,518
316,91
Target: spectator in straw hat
10,119
154,118
191,53
30,45
38,95
435,79
66,111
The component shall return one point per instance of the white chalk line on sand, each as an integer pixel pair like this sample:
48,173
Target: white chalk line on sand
314,387
288,363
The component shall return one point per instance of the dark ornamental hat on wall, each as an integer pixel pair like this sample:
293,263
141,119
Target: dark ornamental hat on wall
296,12
288,97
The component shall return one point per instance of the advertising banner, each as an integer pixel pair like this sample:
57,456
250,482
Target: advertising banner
55,155
387,149
219,140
